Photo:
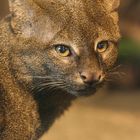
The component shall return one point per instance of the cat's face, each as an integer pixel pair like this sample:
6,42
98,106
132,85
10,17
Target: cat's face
69,45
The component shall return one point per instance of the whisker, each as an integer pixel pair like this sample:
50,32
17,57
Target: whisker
40,77
115,74
50,86
115,68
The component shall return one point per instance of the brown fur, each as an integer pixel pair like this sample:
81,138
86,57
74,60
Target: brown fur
25,39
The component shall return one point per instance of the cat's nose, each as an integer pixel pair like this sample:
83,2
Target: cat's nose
91,78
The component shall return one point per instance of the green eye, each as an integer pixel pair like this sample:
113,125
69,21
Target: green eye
102,46
63,50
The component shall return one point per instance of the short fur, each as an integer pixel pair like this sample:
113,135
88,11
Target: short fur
28,60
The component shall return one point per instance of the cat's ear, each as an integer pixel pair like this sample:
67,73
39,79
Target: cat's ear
26,8
22,13
20,8
30,20
112,5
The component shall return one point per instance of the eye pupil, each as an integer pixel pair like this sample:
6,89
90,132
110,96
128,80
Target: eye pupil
102,46
63,50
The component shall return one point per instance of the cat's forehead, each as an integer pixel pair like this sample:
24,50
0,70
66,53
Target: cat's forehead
87,17
84,14
72,5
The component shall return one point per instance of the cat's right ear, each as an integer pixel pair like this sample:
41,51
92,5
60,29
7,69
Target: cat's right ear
39,18
20,8
29,19
22,12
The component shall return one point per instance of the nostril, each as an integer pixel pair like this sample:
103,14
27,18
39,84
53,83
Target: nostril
87,78
90,78
100,77
83,77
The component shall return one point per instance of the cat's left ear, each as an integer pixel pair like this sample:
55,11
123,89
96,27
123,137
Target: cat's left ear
112,5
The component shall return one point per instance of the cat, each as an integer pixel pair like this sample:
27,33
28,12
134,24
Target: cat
51,52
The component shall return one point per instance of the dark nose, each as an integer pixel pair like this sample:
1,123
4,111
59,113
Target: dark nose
90,78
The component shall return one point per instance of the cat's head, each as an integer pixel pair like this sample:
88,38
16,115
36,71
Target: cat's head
67,44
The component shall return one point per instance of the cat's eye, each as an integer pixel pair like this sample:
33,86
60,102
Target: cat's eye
63,50
102,46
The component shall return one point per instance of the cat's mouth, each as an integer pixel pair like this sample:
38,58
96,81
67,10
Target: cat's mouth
85,91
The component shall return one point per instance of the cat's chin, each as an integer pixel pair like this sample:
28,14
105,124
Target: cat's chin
83,92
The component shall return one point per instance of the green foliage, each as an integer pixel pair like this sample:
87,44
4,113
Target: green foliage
129,51
129,47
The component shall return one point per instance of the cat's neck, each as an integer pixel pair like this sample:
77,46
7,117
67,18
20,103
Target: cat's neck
40,108
51,106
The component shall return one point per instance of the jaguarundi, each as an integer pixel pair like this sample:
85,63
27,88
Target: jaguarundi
51,52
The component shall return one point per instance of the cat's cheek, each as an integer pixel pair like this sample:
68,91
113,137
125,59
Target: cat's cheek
111,61
110,58
78,81
59,60
74,78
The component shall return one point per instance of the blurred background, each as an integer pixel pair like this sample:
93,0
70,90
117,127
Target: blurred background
114,112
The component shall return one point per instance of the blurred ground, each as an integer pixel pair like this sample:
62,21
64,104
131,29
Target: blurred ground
105,116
